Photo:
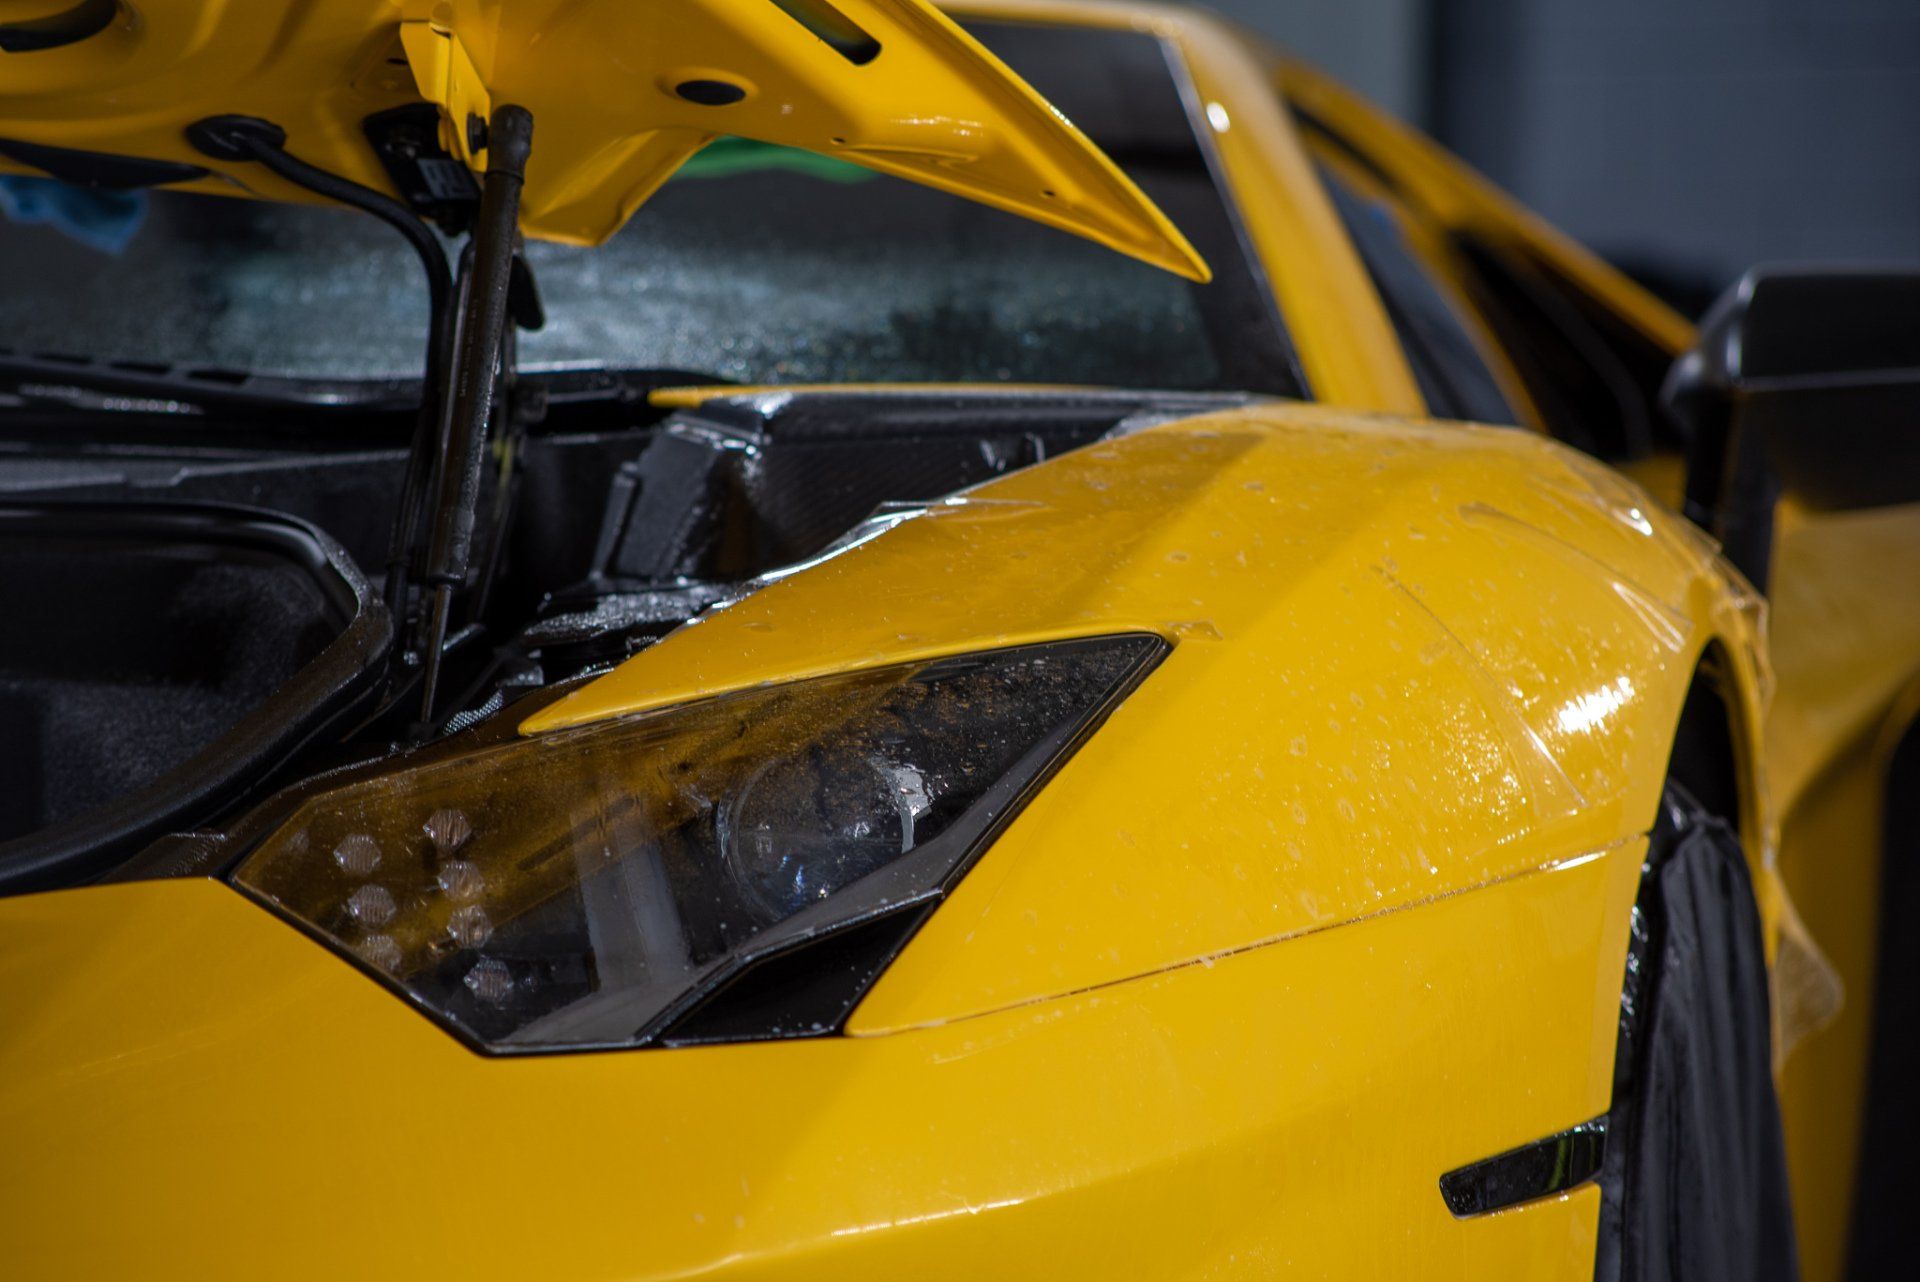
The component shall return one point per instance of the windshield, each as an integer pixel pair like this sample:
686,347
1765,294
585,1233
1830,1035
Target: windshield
754,265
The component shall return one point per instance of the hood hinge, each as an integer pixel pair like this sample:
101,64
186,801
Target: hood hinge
447,77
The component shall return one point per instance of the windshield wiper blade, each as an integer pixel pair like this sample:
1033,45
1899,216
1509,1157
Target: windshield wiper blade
91,385
614,385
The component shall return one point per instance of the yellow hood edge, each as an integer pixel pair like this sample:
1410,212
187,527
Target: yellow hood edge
892,85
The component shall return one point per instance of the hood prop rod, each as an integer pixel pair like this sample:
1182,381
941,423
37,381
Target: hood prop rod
478,361
262,141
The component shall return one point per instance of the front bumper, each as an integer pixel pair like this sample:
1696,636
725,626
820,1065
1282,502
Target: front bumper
190,1088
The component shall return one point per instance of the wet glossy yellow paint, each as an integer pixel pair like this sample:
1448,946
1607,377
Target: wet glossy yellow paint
603,80
1099,1055
249,1105
1848,643
1846,646
1407,661
1458,654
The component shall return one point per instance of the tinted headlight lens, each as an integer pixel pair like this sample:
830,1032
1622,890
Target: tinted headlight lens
600,887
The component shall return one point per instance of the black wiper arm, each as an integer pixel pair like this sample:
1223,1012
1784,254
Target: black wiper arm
614,385
93,385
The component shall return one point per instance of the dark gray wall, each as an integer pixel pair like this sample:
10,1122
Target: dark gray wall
1690,137
1705,134
1379,47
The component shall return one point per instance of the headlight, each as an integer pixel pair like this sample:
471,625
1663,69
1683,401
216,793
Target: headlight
739,867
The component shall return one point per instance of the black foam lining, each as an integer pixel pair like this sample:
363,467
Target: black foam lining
121,661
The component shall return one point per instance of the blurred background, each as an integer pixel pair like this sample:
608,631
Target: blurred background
1683,139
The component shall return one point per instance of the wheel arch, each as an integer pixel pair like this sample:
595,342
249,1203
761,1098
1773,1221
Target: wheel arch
1712,754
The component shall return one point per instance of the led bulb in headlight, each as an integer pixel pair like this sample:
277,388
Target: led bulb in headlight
612,885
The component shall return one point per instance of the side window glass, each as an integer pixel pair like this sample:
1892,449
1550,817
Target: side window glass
1453,377
1594,378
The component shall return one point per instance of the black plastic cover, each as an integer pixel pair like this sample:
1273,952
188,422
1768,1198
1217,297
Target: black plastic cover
1541,1169
434,184
1806,382
98,168
752,483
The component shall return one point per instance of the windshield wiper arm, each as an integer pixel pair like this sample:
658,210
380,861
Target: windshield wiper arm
95,385
70,382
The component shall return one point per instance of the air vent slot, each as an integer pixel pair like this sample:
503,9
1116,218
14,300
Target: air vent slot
841,33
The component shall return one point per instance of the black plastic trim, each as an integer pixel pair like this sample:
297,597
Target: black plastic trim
435,184
806,991
98,168
1543,1168
1804,381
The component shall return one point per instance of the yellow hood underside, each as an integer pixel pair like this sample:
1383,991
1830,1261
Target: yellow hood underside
622,93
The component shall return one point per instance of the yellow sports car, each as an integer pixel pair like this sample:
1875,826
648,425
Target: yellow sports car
826,639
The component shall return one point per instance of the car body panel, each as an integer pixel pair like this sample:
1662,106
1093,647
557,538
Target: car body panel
1408,660
603,81
1845,639
1846,634
248,1105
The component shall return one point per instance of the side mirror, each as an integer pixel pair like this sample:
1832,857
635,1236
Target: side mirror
1805,381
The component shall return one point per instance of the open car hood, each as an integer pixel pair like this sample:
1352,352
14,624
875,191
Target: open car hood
622,93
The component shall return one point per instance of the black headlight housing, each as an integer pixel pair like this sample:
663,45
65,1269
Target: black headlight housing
738,868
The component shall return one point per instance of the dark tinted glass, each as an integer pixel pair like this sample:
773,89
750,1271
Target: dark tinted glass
1453,378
